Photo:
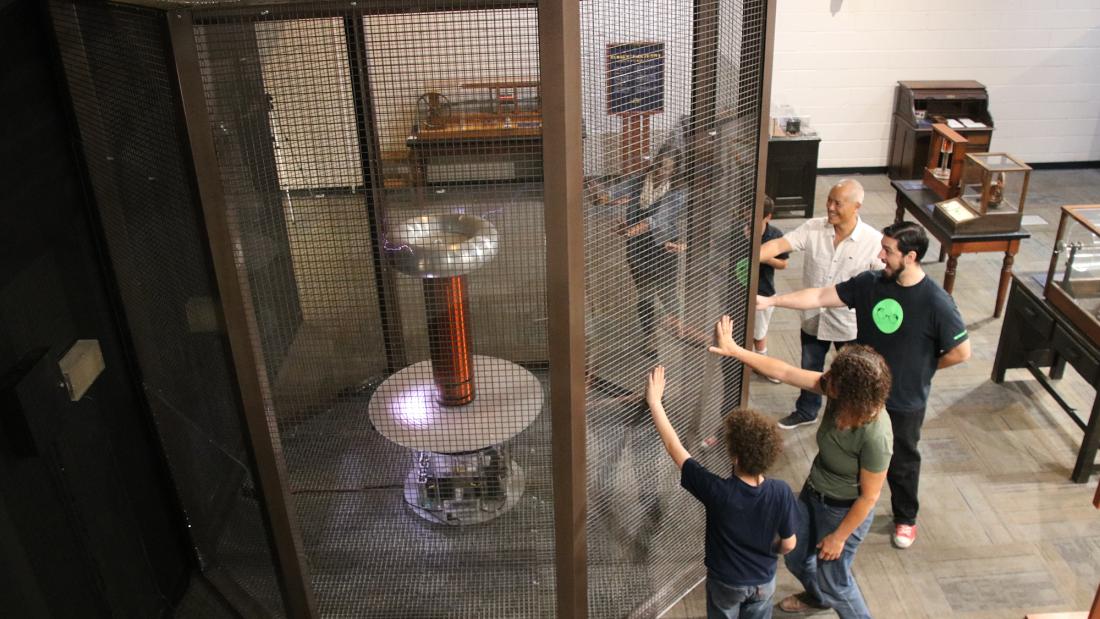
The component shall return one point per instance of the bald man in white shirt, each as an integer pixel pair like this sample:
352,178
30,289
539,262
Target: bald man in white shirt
838,247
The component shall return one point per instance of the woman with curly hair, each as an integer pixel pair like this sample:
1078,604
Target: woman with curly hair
749,518
837,502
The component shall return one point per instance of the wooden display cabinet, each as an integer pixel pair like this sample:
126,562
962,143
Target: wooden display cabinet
791,173
943,171
1073,280
991,195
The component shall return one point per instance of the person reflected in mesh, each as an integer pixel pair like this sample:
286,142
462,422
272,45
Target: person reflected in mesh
652,234
854,446
750,519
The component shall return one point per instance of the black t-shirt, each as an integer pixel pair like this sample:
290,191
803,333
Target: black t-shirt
766,287
743,523
911,327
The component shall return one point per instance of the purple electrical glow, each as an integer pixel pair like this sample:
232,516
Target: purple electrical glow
414,405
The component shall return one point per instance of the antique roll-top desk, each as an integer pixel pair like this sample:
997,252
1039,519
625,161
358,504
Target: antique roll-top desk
920,104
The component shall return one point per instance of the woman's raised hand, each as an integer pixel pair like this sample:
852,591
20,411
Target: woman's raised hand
655,385
723,334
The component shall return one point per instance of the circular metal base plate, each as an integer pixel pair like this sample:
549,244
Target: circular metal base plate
507,399
457,513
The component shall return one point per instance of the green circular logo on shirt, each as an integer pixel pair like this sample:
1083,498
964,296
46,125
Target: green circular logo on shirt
741,271
888,315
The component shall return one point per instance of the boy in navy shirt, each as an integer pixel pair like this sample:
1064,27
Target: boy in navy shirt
731,368
766,283
750,519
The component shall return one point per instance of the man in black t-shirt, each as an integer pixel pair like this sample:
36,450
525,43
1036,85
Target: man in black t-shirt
916,327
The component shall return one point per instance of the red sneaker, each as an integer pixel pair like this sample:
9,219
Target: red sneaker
904,535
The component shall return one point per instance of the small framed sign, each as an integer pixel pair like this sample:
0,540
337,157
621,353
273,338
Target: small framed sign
635,78
955,211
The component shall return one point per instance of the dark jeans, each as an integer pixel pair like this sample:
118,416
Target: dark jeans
654,273
813,358
729,602
904,473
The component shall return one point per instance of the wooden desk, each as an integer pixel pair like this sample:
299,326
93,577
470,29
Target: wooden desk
1034,335
472,135
919,203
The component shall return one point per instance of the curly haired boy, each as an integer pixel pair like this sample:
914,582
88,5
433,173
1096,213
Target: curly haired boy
750,519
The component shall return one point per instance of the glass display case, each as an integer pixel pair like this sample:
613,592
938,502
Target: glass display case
1073,281
945,161
992,192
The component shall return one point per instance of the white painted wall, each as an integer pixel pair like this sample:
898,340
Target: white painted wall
315,136
838,62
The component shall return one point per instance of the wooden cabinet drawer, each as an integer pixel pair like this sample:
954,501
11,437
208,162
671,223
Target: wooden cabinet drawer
1032,319
1077,353
978,141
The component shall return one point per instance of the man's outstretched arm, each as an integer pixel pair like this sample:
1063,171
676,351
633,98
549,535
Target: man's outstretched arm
807,298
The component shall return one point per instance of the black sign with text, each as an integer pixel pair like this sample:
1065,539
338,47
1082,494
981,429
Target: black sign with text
635,78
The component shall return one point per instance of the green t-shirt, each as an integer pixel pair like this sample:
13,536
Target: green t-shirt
842,453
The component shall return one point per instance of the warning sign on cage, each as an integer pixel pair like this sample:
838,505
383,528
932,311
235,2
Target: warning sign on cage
635,78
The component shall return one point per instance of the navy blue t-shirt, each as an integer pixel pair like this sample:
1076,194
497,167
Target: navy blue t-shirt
766,285
910,326
743,523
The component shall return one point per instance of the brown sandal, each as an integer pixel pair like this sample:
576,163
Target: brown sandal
800,603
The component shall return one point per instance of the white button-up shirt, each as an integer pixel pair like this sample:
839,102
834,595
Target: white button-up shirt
826,266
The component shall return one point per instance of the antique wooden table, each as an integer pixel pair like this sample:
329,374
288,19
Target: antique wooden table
913,198
476,135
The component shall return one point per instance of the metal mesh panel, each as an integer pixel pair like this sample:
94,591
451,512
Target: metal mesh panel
671,104
382,174
382,178
117,65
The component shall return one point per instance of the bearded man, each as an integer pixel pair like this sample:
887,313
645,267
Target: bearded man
908,319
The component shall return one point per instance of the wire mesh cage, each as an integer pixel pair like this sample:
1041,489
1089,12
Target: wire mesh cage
404,341
671,95
377,169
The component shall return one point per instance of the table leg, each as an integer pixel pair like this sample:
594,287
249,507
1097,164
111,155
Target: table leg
1006,275
1057,366
1087,456
943,253
949,273
418,171
1006,351
899,212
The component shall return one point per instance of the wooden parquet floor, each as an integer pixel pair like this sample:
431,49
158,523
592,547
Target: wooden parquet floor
1002,530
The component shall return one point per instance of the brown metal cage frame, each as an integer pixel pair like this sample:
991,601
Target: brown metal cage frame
560,74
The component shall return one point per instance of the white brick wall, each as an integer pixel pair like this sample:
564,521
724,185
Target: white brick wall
838,61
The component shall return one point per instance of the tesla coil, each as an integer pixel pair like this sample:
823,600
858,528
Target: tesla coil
462,472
